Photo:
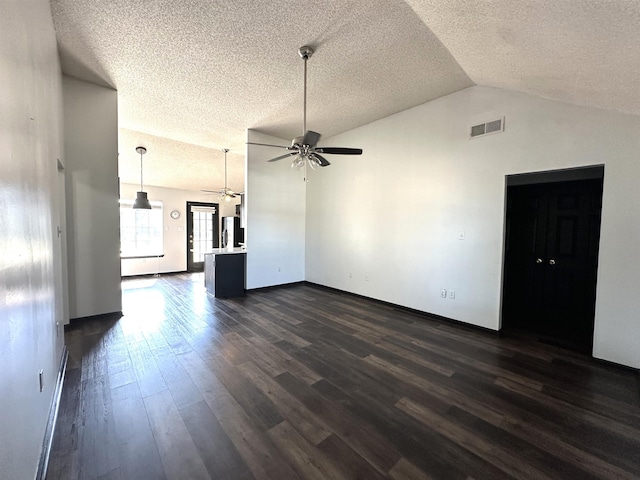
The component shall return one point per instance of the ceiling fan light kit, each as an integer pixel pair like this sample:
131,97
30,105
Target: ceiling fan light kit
304,149
142,201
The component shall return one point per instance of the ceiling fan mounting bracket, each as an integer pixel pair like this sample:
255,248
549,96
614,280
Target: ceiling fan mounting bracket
305,52
141,150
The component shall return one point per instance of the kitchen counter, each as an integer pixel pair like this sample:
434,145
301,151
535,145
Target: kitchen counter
224,272
226,251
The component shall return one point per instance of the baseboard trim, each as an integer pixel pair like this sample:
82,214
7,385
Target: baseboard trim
102,316
418,313
618,366
41,473
273,287
458,323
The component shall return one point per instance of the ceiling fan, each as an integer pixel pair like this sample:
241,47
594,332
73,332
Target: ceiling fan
225,193
304,149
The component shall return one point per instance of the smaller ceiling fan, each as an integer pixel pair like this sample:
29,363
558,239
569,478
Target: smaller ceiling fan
225,193
304,149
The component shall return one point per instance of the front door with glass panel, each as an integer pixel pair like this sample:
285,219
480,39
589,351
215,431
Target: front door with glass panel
202,233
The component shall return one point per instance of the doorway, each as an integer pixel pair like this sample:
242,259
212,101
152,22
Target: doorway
551,255
202,233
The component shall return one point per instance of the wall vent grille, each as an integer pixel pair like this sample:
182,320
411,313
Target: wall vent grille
494,126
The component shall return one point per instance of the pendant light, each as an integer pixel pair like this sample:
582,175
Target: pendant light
142,202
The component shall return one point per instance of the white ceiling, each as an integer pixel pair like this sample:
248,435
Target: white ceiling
193,75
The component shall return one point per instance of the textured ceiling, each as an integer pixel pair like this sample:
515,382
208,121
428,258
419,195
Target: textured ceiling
193,75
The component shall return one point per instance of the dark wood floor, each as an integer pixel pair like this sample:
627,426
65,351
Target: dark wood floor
301,382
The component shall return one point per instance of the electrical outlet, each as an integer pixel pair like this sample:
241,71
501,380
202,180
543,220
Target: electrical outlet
366,278
443,293
350,275
452,294
57,329
278,268
41,380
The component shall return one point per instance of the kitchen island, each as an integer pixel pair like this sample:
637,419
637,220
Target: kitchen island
224,271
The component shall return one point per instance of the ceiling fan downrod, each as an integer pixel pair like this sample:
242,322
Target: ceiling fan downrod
305,52
225,150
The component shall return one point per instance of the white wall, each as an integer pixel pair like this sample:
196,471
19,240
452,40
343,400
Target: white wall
275,203
386,224
93,218
175,231
30,249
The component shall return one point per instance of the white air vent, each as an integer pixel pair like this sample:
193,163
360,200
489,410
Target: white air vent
494,126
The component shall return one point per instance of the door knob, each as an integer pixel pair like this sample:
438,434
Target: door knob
552,262
538,260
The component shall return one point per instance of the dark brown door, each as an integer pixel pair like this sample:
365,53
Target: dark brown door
551,260
202,233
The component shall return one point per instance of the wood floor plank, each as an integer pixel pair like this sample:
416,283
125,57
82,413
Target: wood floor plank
112,475
405,470
257,450
182,388
361,437
218,453
147,373
303,420
255,404
305,459
119,363
348,461
96,433
301,381
282,360
137,449
472,442
410,437
63,461
179,455
274,367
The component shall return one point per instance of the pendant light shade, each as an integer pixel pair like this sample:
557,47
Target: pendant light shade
142,202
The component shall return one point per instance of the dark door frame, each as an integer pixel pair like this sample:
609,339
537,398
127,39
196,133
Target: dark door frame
199,266
548,177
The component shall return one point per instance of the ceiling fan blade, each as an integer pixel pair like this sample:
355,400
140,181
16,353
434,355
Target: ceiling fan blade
268,145
323,162
311,138
282,156
210,191
340,151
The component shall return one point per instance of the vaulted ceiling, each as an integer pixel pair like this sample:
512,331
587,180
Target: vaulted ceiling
193,75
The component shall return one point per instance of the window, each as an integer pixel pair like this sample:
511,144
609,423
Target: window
140,230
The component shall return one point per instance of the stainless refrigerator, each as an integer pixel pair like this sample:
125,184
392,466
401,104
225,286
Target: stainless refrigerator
232,235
